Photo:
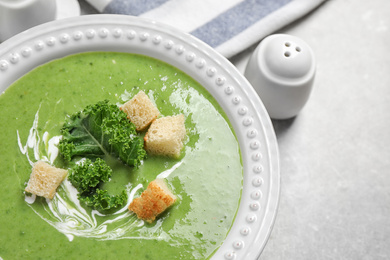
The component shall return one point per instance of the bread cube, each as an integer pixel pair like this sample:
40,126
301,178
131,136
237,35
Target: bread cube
153,201
165,136
45,179
140,111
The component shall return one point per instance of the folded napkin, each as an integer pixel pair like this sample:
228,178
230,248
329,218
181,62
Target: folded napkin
229,26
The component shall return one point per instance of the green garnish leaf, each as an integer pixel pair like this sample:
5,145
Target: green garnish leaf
101,129
87,176
102,201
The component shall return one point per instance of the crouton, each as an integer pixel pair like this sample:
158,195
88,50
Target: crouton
45,179
140,111
165,136
153,201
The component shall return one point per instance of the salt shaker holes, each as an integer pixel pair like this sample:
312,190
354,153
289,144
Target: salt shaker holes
288,52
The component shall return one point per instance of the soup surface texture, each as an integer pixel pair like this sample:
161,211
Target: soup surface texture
207,178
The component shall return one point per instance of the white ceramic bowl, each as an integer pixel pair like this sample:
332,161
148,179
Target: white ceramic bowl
252,125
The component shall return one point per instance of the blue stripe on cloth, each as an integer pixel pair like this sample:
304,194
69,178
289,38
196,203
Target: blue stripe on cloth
133,7
236,20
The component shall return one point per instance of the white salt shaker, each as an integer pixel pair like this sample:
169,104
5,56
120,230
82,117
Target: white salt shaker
19,15
282,70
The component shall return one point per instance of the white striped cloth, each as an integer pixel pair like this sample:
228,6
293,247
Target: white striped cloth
229,26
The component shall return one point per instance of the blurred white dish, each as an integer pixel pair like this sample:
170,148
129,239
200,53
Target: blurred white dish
252,125
68,8
19,15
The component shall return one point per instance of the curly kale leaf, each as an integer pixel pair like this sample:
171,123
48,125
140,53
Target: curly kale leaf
87,177
101,129
102,201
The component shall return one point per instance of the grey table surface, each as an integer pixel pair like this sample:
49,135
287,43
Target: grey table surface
335,155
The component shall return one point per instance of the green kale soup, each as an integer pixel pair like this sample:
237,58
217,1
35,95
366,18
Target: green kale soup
206,179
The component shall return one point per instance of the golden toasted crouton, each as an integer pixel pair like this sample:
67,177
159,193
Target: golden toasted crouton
165,136
140,111
45,179
153,201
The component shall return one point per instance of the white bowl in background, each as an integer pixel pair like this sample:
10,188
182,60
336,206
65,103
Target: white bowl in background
19,15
